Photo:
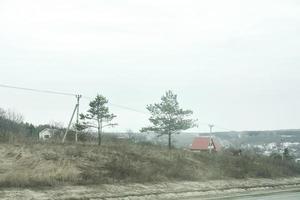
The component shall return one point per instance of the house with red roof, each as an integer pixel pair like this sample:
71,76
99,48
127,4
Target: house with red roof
205,144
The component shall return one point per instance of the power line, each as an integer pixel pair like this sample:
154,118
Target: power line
86,97
37,90
65,94
215,125
127,108
139,111
225,129
121,106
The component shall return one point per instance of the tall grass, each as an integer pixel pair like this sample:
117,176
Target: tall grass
50,164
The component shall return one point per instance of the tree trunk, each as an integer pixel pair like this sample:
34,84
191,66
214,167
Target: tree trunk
99,132
170,142
99,136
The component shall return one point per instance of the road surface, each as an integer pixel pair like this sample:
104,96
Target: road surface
247,189
278,196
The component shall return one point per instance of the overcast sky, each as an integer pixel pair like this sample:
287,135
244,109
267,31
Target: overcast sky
234,63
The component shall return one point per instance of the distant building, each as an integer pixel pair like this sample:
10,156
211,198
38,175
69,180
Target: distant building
205,144
48,133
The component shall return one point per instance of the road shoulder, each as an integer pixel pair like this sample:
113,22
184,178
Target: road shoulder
175,190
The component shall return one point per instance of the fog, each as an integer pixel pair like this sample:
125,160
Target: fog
234,63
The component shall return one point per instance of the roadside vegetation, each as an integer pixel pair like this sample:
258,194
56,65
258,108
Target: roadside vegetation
25,161
50,164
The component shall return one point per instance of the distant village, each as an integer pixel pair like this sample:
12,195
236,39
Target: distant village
274,143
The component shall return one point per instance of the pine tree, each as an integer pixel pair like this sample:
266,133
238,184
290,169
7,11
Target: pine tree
98,116
168,118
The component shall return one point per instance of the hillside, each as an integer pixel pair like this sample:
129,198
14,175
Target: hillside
46,164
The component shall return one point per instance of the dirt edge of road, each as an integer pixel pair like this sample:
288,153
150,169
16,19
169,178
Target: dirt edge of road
215,189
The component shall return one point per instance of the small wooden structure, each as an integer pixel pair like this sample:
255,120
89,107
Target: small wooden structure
47,133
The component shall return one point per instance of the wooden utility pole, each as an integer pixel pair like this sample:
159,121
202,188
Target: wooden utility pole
76,109
77,117
210,140
282,148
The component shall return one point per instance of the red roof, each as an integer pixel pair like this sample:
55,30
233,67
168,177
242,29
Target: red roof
202,143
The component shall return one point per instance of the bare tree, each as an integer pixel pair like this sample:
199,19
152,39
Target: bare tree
14,116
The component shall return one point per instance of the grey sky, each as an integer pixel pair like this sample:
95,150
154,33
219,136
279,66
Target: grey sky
234,63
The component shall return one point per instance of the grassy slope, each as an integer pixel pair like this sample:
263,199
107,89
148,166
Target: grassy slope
55,164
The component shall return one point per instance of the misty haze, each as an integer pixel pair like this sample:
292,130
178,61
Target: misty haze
149,99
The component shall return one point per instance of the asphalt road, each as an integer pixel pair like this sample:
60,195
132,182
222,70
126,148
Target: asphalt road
277,196
292,194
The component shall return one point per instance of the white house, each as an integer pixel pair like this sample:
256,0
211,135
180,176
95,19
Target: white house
47,133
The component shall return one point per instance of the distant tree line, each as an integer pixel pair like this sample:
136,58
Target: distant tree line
12,127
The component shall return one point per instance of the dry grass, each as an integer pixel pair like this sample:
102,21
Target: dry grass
35,165
48,164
